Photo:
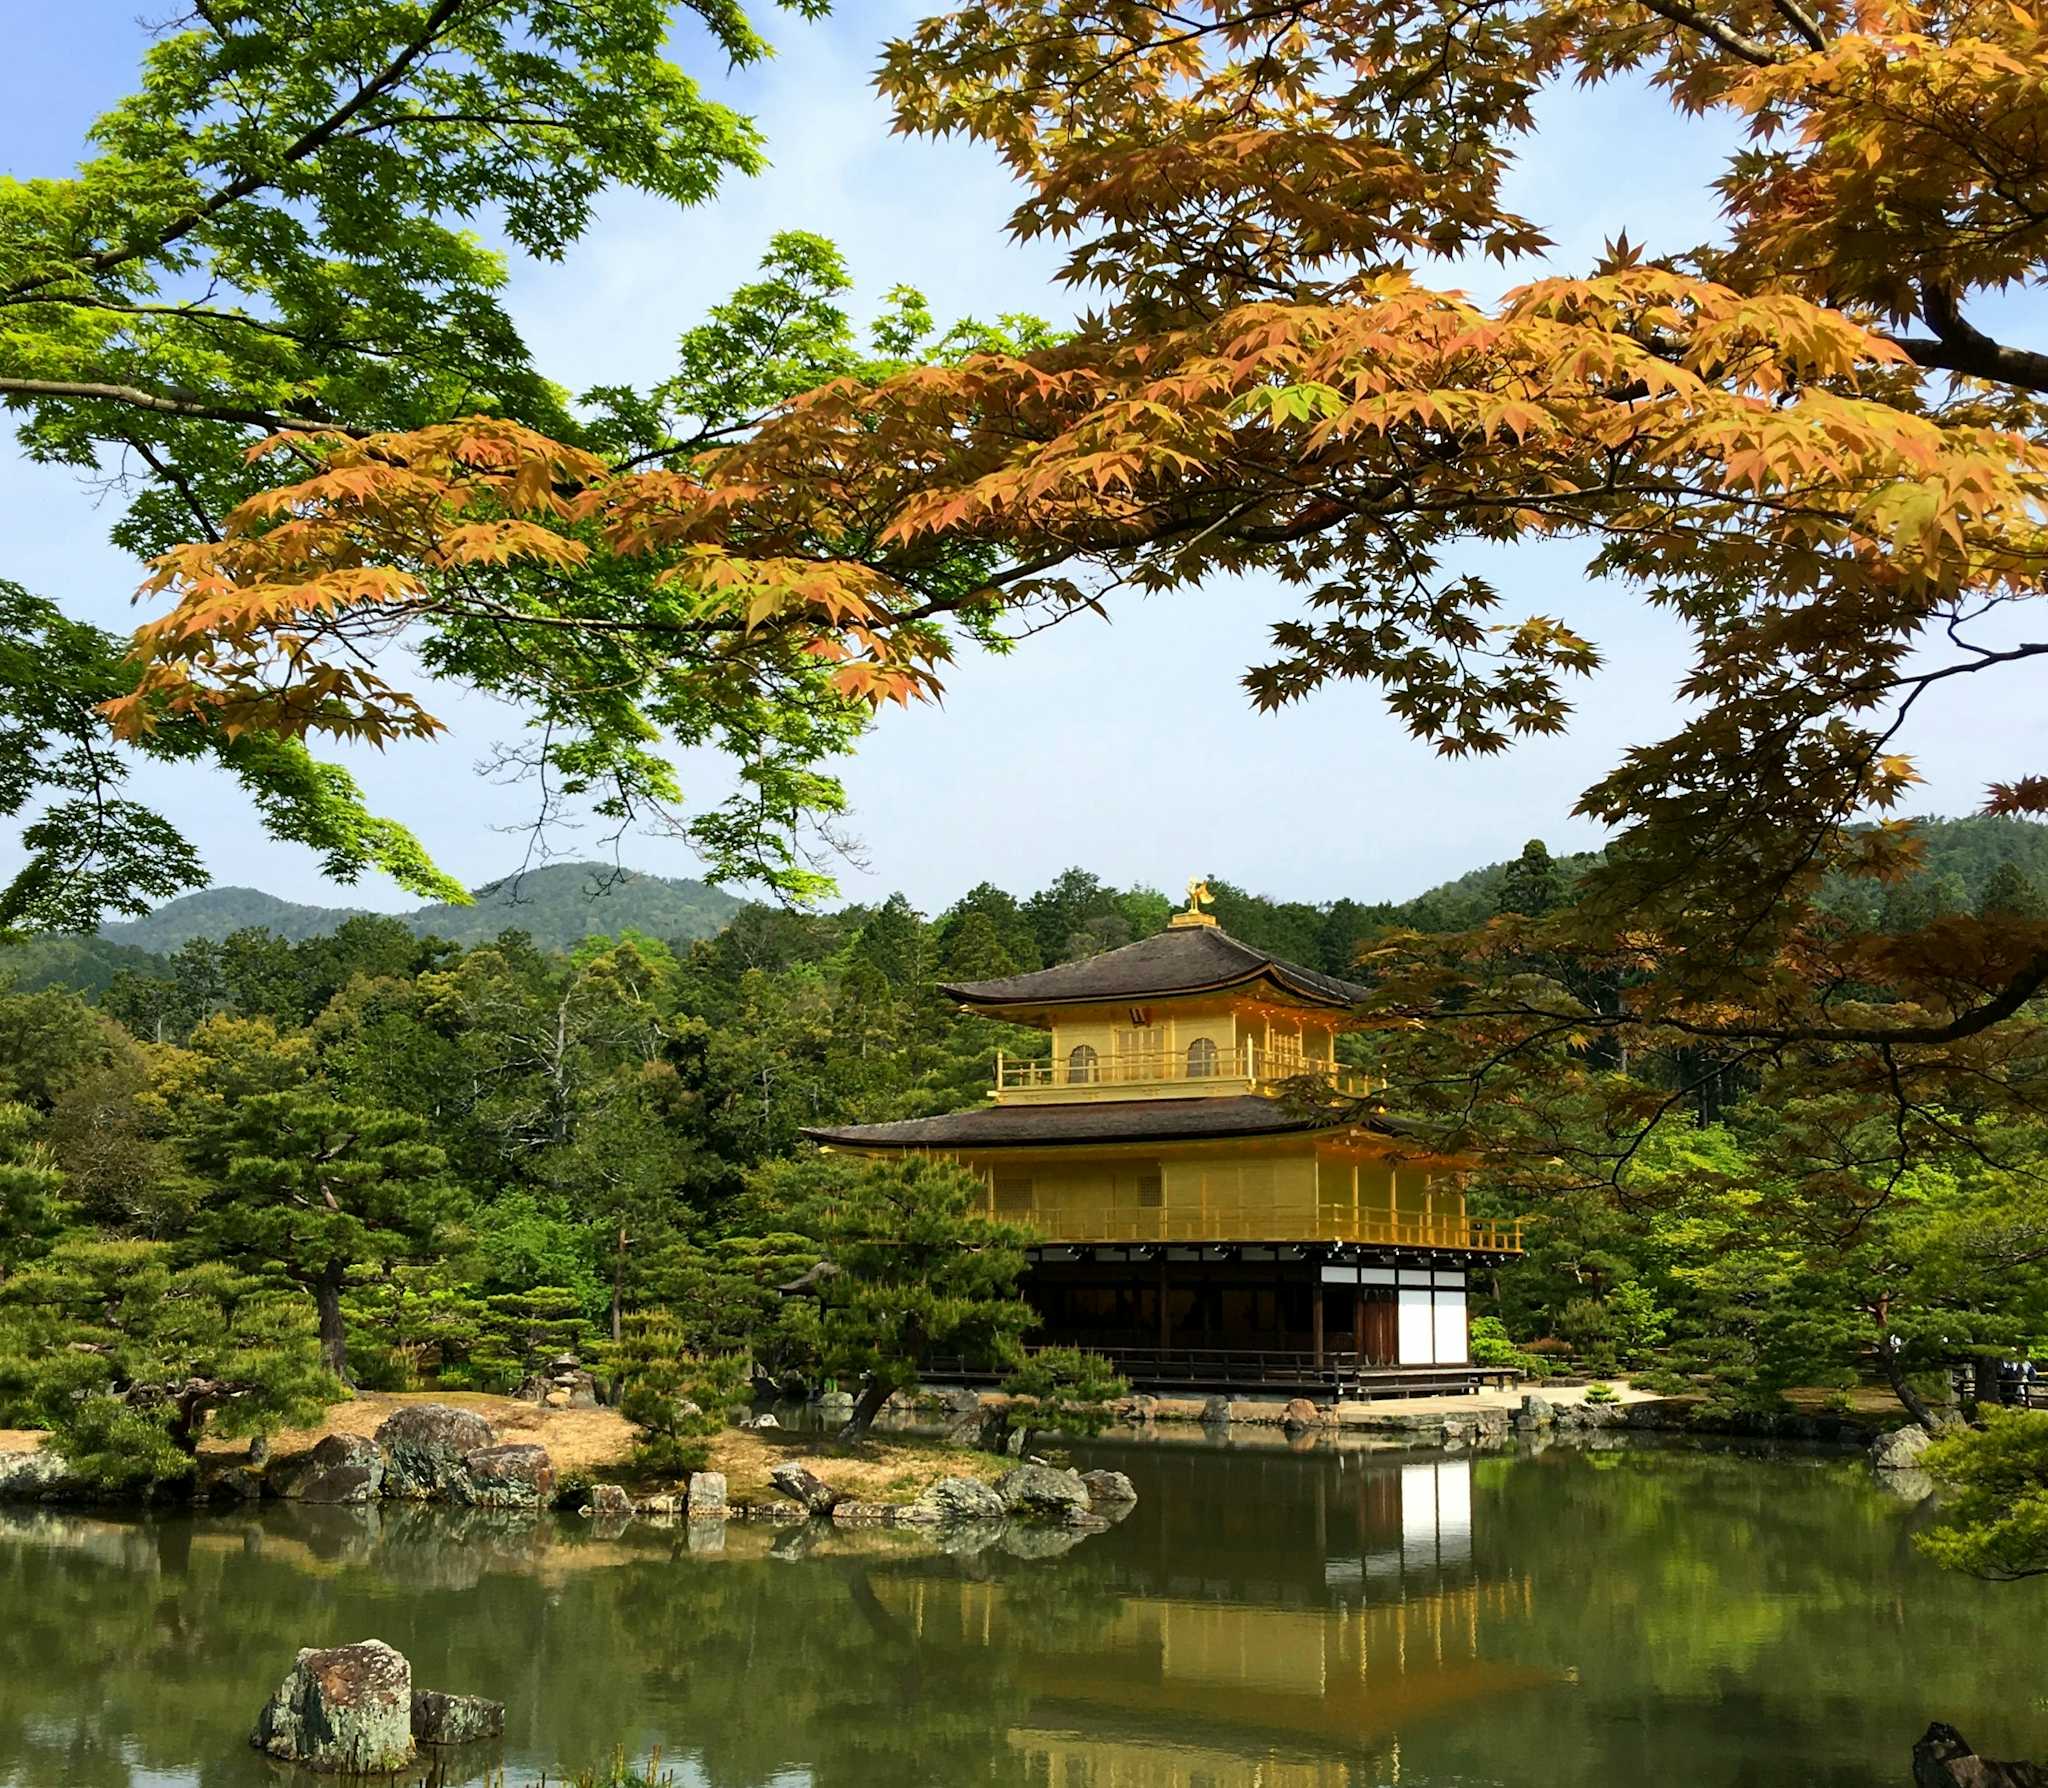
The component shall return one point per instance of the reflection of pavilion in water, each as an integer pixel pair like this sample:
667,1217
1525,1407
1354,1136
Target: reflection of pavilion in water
1298,1670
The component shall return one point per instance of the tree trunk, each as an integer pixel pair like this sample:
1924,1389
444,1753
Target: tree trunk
1983,1382
876,1393
189,1406
1915,1404
618,1283
333,1331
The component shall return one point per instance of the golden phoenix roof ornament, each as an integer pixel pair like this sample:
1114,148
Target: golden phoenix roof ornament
1198,897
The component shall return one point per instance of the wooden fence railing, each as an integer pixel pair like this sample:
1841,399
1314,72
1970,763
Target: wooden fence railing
1263,1222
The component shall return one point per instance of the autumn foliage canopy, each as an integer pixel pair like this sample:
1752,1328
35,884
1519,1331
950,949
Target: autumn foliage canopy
1796,439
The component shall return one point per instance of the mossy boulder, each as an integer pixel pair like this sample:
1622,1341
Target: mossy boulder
425,1446
346,1710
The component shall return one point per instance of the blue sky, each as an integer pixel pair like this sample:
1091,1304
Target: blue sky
1127,747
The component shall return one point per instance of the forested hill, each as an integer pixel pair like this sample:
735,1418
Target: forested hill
555,906
989,931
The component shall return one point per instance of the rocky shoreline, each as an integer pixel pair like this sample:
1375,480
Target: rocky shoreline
434,1452
439,1454
1489,1425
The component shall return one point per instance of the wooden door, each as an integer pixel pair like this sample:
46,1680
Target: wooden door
1378,1343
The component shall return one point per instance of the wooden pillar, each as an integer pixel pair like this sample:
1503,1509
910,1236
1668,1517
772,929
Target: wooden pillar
1165,1306
1358,1325
1315,1315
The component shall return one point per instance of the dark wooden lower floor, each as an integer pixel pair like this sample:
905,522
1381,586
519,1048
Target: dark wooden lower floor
1251,1315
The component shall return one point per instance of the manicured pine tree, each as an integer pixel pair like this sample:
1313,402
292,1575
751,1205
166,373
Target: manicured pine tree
916,1271
674,1395
518,1332
127,1358
31,1187
313,1189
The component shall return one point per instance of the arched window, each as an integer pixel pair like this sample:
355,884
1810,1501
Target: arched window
1201,1058
1082,1065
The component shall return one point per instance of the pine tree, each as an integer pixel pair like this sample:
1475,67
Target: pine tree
1533,884
2011,893
126,1358
976,952
675,1396
916,1270
31,1184
518,1332
313,1189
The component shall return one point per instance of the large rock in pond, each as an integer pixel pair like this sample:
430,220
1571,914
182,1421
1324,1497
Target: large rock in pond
817,1496
706,1500
424,1446
518,1475
1536,1412
1110,1492
954,1502
1901,1449
1044,1493
342,1468
610,1502
439,1719
1943,1759
347,1709
40,1476
227,1483
1216,1413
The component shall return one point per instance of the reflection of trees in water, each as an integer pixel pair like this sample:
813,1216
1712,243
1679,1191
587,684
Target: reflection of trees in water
152,1644
1770,1609
1277,1619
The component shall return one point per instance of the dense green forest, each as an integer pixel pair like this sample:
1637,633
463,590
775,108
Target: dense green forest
561,903
425,1162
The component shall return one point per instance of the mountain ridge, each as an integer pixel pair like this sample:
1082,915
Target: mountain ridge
561,904
558,905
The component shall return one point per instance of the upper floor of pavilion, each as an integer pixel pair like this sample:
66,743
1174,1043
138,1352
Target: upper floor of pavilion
1191,1012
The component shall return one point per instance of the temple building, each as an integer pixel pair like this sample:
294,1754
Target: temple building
1219,1204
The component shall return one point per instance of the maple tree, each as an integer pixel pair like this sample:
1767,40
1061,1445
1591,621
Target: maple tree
275,230
1794,439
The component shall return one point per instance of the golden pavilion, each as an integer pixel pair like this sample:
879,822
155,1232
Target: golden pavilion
1218,1203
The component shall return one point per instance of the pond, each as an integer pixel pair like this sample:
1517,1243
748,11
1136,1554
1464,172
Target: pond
1265,1617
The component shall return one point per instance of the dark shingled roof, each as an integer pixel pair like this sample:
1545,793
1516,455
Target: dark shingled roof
1181,959
1119,1120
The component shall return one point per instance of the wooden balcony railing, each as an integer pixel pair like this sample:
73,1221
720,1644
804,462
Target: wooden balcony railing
1266,1223
1246,1066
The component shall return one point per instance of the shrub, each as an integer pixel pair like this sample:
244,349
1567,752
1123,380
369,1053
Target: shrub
1491,1347
1064,1388
676,1399
1994,1522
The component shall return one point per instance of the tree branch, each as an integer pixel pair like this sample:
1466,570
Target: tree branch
309,143
1750,49
1801,21
2005,1003
164,404
1959,346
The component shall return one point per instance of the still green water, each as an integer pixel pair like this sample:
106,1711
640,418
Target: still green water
1265,1619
